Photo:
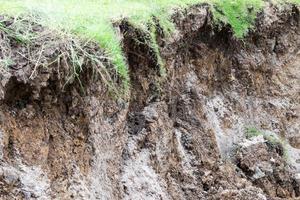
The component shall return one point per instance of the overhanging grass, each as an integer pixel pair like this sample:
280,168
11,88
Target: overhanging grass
240,14
93,18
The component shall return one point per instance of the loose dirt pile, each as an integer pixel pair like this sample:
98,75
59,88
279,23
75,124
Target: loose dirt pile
182,135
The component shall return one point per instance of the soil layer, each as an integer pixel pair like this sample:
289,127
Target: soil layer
179,135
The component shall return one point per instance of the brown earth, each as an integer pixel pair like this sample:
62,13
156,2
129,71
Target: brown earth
177,136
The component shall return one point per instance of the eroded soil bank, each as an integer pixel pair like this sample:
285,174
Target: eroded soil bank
181,135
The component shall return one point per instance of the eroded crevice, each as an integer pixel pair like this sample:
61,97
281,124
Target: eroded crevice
17,94
144,69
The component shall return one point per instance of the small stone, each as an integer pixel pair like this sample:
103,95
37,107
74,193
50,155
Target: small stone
272,160
11,179
27,195
258,174
281,192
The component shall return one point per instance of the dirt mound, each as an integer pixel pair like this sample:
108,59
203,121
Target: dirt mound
180,135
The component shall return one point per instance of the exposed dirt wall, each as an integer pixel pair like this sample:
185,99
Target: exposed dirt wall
178,136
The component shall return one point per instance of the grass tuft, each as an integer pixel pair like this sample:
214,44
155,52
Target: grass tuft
240,14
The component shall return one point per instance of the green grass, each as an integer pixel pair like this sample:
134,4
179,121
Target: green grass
240,14
93,18
253,132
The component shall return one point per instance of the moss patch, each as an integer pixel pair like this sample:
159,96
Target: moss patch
272,139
